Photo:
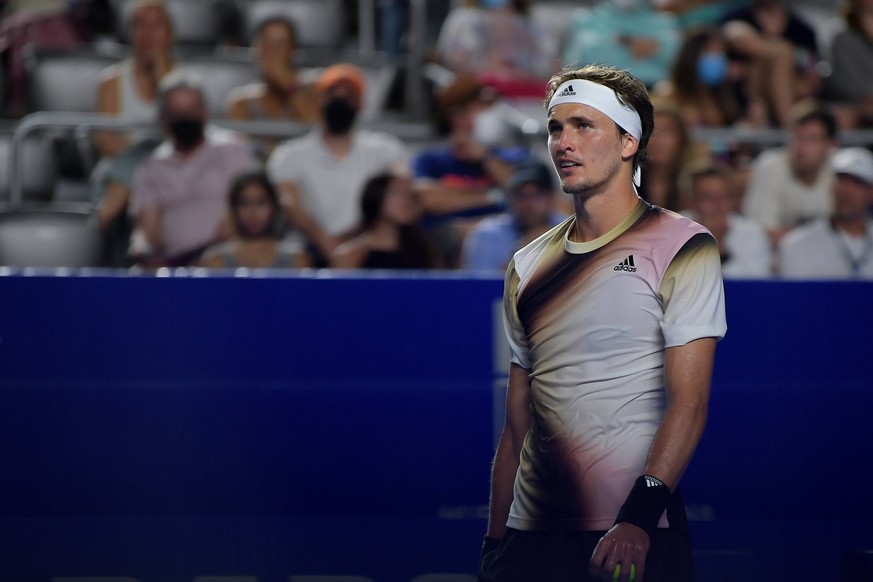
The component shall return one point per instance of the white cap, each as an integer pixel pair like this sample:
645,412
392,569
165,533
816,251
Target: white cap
855,161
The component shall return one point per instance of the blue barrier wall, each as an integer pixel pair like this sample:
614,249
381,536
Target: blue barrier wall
163,428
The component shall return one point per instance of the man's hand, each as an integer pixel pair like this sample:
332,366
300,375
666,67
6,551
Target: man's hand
626,544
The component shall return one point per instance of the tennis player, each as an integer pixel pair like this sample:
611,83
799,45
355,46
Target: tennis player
612,319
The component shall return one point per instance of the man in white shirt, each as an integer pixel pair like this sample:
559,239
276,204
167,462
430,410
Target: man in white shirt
789,186
321,175
839,247
742,243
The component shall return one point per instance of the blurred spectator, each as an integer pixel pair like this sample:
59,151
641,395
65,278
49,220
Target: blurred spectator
742,243
497,41
850,84
780,52
281,94
670,149
788,186
391,236
466,174
628,34
693,14
321,175
129,88
841,246
701,84
532,211
258,227
180,193
110,186
51,24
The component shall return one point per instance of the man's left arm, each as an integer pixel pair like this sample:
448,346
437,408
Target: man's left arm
694,319
687,372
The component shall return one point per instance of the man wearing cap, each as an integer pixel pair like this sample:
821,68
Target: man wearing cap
612,319
322,174
532,211
841,246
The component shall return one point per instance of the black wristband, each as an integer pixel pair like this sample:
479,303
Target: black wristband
645,503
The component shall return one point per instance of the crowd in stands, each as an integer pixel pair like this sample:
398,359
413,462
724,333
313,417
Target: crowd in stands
342,195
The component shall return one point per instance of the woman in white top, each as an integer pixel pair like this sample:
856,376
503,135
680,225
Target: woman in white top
128,89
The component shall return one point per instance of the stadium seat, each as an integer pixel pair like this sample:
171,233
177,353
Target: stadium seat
319,23
51,237
195,22
38,167
66,80
219,74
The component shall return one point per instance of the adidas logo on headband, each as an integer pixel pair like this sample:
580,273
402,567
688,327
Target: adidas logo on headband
567,92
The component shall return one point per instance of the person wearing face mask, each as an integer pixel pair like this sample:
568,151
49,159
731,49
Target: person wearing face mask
628,34
700,83
321,175
179,197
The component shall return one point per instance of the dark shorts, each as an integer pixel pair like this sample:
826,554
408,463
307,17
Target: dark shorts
525,556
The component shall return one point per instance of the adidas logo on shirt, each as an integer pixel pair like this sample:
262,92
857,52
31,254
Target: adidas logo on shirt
567,92
626,265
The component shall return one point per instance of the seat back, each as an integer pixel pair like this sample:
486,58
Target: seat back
49,238
195,22
65,80
219,75
319,23
38,167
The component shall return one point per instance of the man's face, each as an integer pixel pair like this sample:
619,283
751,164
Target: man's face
532,204
809,146
852,197
343,90
711,198
184,103
586,147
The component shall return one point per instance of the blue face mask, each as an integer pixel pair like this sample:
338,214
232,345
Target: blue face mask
712,68
493,3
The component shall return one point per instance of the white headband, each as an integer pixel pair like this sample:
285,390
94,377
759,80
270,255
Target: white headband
601,98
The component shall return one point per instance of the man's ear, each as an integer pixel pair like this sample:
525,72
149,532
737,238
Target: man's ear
629,146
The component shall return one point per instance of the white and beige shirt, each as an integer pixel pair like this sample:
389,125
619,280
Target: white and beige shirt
591,321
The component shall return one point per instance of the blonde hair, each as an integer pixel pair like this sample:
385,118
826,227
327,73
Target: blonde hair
141,5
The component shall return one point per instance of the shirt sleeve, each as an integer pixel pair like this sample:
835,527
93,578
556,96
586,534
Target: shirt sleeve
761,200
278,167
146,189
515,335
692,293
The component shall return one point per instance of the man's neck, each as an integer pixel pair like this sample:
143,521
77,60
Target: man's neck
338,145
598,214
852,226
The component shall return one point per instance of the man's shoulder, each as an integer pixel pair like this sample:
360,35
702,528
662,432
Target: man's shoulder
769,159
525,259
491,226
379,139
744,226
808,233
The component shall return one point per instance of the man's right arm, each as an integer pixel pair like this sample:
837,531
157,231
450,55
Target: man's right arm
295,212
506,460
